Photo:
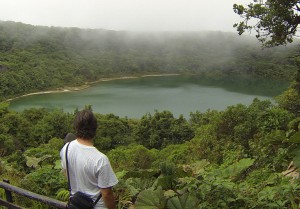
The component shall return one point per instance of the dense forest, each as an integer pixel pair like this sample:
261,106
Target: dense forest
241,157
36,58
237,158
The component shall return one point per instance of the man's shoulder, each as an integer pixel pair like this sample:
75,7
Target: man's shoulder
99,154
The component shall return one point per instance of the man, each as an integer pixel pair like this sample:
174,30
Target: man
89,169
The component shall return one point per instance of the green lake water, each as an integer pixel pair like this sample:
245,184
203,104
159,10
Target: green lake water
179,94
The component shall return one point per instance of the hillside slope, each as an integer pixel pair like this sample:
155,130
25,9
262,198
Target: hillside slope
35,58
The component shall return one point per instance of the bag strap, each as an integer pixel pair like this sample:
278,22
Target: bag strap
98,198
67,167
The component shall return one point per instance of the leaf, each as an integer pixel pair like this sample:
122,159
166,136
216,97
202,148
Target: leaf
235,169
166,182
198,167
169,193
58,164
32,162
150,199
295,138
121,174
63,195
296,158
186,201
36,162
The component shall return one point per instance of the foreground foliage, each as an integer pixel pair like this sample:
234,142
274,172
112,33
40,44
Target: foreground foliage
234,158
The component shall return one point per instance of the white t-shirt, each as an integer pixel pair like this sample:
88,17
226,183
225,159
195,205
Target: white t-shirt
89,170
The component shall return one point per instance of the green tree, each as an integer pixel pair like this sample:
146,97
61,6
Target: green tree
161,129
175,153
34,115
3,108
132,157
290,100
276,21
55,124
6,145
45,181
112,132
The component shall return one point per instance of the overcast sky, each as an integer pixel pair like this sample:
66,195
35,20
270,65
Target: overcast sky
134,15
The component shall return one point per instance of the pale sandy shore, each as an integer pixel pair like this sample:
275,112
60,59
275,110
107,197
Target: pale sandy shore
170,74
88,84
112,79
42,92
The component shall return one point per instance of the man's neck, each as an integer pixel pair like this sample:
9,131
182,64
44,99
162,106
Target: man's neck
87,142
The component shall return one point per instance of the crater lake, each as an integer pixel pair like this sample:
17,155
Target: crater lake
134,97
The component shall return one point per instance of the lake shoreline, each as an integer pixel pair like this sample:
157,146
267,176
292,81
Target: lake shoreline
89,84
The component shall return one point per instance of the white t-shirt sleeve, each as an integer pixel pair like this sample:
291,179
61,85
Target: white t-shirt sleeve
106,175
62,157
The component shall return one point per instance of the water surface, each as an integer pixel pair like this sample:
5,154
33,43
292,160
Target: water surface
179,94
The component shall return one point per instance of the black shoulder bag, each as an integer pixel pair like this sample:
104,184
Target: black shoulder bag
79,200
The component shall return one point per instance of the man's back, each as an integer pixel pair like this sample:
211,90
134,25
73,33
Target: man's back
89,170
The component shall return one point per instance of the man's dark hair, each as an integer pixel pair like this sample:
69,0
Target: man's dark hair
85,124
